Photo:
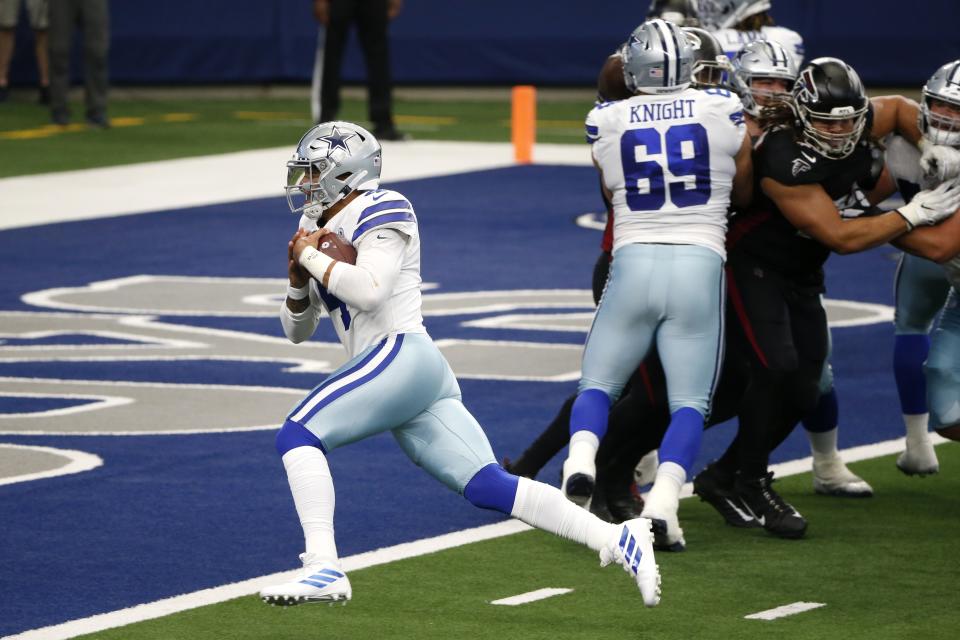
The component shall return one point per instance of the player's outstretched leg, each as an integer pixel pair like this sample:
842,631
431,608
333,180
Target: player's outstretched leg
629,544
322,579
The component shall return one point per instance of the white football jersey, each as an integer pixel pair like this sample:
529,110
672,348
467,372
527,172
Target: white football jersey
903,161
733,40
360,220
669,162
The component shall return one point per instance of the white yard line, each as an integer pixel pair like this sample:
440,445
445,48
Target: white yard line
245,175
214,595
785,610
531,596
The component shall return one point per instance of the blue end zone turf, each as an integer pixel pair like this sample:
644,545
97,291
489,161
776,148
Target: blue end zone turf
167,515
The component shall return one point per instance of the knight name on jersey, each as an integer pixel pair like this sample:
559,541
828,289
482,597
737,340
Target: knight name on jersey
681,108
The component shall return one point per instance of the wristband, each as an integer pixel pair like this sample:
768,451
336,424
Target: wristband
318,264
298,294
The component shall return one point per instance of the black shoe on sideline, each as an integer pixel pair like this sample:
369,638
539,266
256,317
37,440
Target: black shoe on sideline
715,487
390,133
772,512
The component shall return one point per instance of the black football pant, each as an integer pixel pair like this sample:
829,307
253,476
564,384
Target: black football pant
370,17
778,328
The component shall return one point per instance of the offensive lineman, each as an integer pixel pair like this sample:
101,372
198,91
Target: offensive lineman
737,23
672,158
396,378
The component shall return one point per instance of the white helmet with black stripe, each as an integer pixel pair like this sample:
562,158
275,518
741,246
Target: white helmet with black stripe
762,60
332,160
943,125
657,58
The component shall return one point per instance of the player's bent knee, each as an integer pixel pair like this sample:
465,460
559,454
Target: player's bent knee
293,435
492,488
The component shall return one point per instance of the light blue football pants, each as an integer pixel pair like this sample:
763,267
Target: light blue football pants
920,288
943,367
673,294
403,385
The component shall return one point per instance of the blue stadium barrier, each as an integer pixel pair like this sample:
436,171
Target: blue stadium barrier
438,42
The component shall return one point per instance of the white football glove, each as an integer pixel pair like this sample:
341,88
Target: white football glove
930,207
939,163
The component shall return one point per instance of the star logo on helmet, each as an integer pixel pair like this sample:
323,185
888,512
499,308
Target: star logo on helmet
336,140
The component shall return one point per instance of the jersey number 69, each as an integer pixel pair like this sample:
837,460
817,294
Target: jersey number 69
690,159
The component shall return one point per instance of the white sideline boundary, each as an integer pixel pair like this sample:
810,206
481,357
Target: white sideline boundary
214,595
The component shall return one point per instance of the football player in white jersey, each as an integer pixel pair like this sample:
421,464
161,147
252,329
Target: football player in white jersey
670,158
923,287
737,23
396,379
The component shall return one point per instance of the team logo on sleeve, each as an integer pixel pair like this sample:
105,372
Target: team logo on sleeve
799,166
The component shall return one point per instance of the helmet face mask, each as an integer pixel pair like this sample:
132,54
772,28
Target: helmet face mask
657,58
332,160
939,118
831,104
762,60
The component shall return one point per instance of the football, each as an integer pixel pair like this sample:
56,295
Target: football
337,248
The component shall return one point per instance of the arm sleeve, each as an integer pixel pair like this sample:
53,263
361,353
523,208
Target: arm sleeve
369,283
300,326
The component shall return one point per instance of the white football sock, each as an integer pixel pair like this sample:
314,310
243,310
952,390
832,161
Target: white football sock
545,507
583,450
823,444
917,433
664,496
312,489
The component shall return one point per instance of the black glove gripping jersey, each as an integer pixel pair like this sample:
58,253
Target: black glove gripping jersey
762,233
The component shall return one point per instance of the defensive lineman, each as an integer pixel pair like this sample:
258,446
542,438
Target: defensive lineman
670,157
396,378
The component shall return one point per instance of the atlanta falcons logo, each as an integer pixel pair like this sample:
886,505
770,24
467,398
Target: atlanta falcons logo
808,88
799,166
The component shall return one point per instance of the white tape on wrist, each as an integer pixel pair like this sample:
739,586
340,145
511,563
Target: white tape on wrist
298,294
316,263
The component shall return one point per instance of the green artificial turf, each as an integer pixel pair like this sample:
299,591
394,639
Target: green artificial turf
146,129
883,566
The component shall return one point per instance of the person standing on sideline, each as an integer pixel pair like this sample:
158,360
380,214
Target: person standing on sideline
93,19
672,159
371,18
39,22
397,379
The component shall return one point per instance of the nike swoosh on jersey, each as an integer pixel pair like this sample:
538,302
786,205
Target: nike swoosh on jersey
378,195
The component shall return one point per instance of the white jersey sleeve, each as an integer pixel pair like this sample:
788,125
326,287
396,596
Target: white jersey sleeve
903,159
669,162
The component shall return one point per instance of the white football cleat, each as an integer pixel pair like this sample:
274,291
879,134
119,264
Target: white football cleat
578,480
667,534
831,477
321,582
631,546
918,459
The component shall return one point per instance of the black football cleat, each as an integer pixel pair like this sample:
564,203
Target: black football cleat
769,509
715,487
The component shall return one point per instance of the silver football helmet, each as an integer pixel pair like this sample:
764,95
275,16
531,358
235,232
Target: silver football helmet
332,160
762,60
657,58
711,66
723,14
943,85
